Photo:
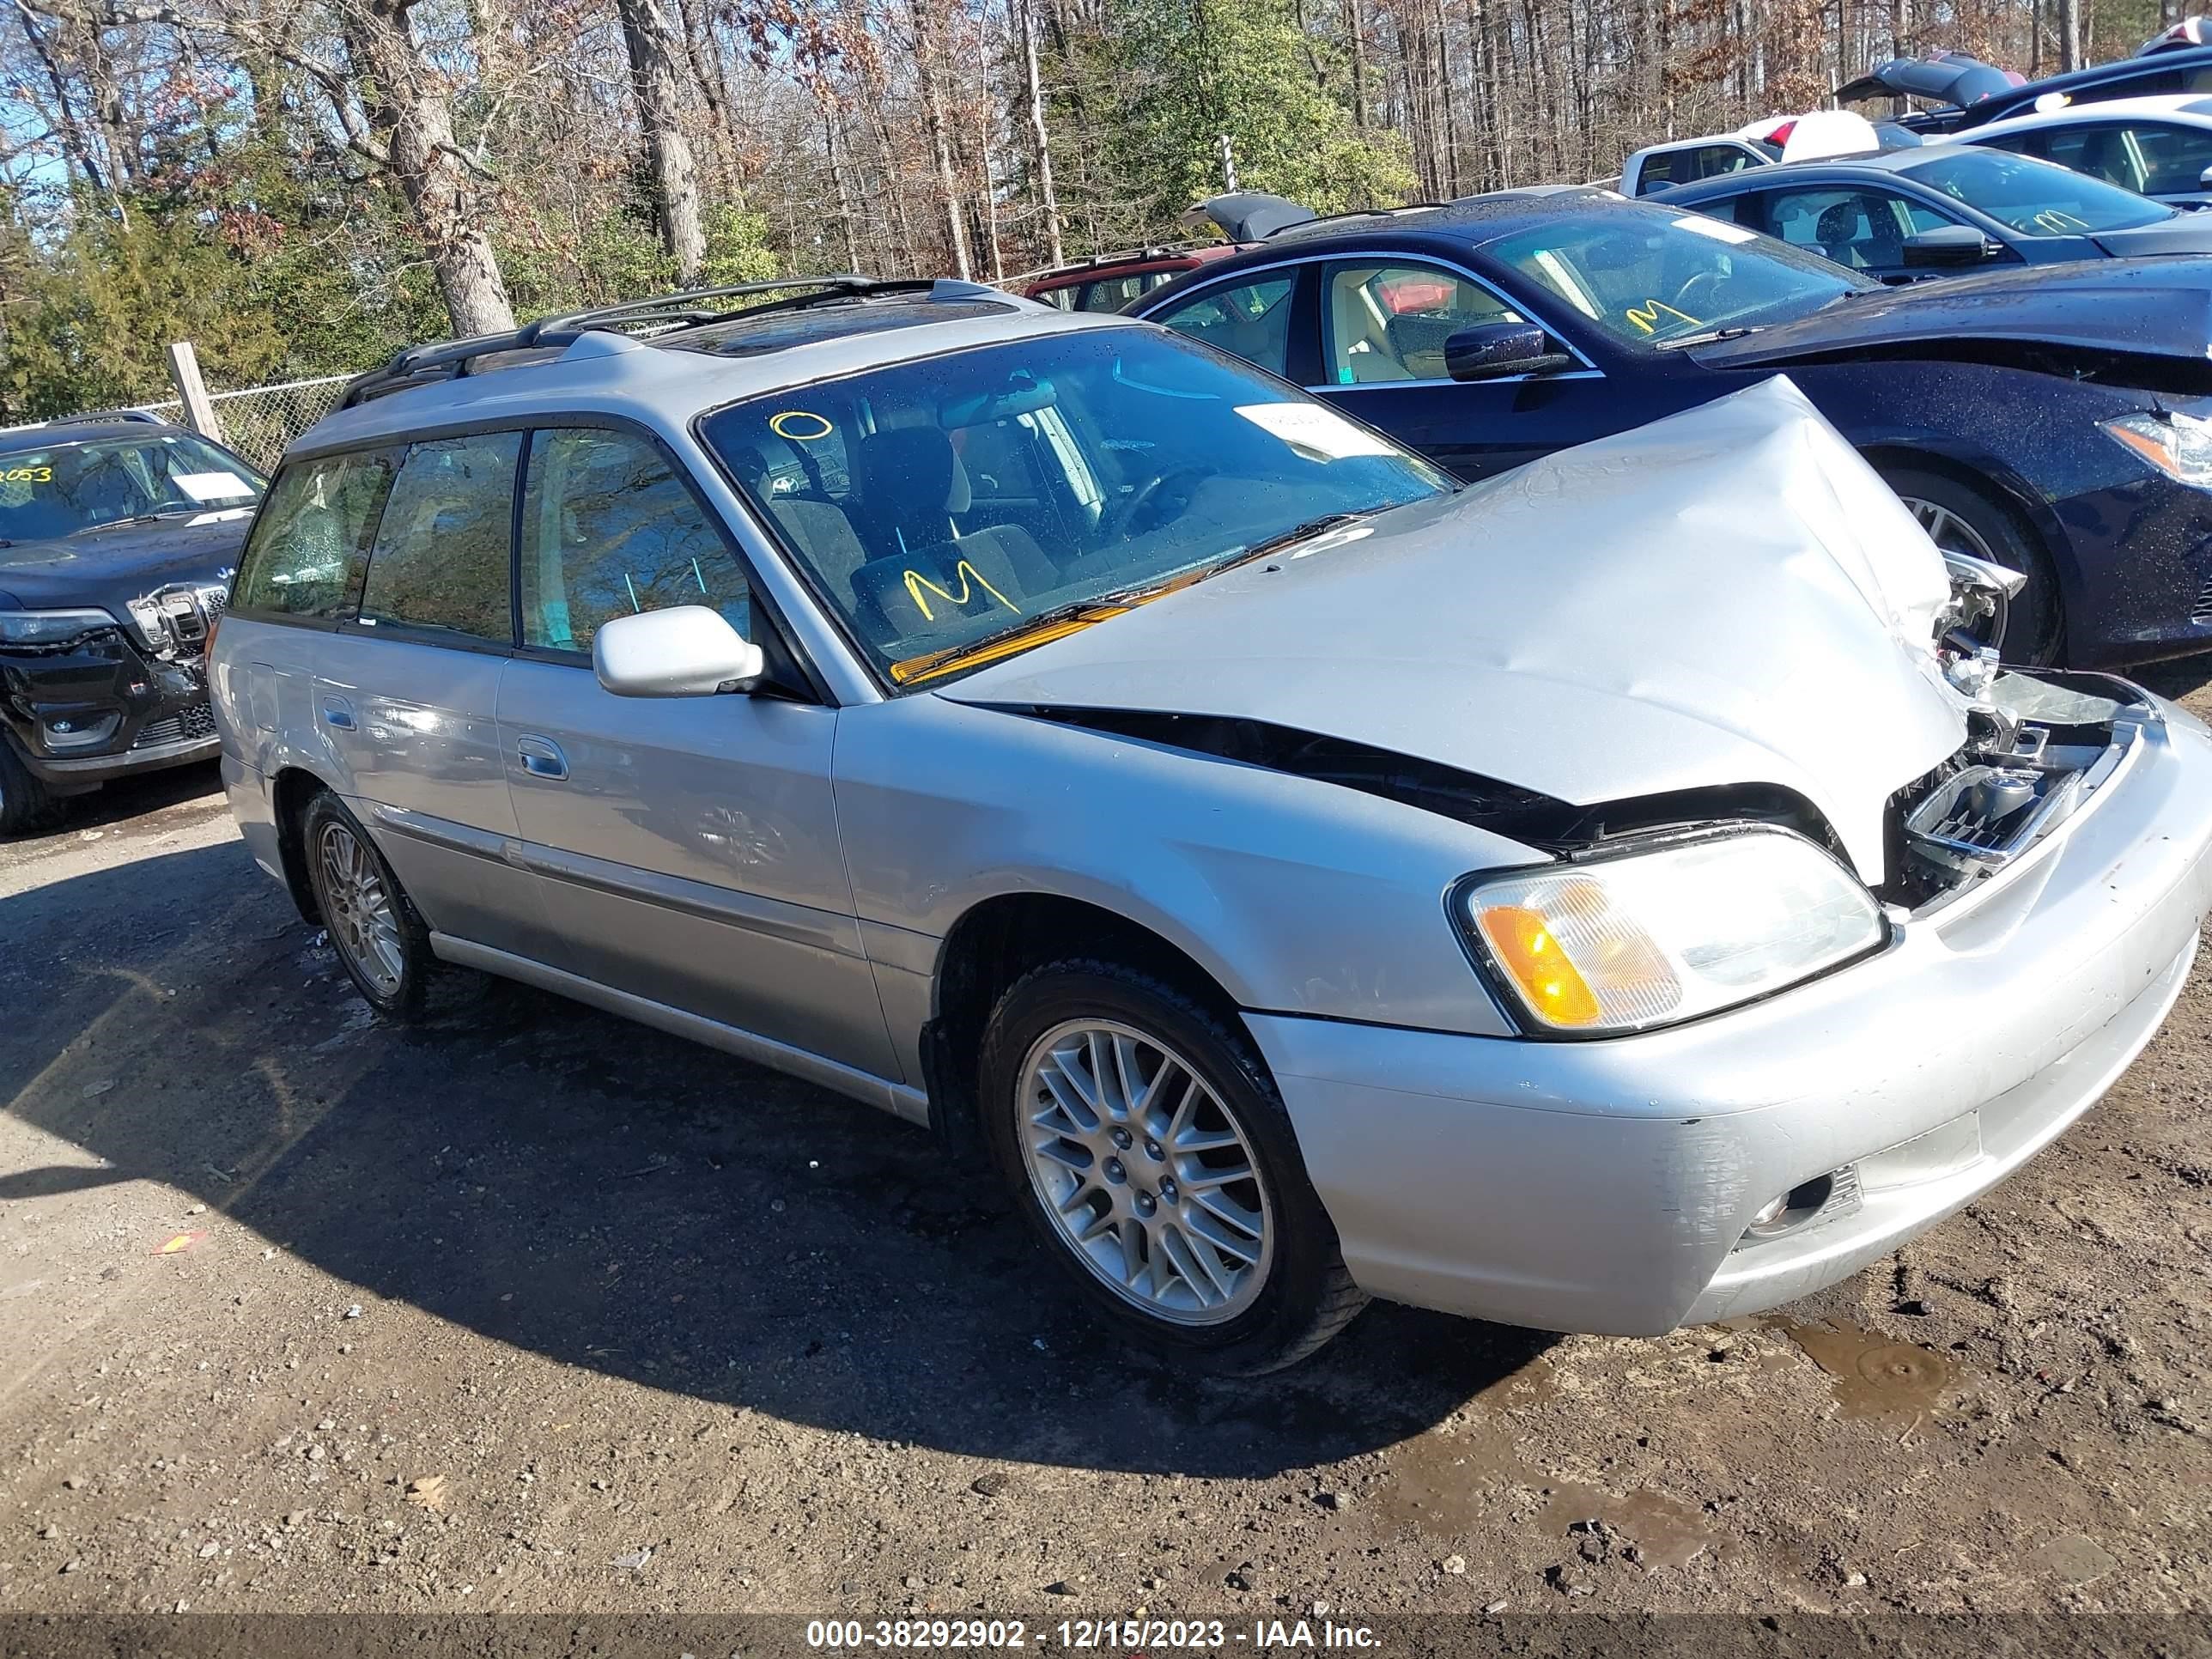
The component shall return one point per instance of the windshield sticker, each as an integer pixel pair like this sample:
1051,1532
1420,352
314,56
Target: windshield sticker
223,517
23,475
970,579
1647,315
1719,229
211,486
801,426
1317,432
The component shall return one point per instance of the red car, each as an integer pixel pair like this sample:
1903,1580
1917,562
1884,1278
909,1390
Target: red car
1107,282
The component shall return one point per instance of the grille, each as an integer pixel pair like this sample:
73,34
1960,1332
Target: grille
196,723
2202,613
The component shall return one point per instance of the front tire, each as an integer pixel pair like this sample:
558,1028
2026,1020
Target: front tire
381,941
24,802
1962,517
1145,1144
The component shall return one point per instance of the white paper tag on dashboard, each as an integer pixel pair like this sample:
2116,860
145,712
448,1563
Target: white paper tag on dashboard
211,486
1317,430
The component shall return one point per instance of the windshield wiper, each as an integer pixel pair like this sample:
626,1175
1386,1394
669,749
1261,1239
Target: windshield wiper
145,518
1035,630
1709,336
1297,533
1079,613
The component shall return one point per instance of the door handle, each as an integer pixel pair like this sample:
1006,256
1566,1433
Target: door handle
541,757
338,713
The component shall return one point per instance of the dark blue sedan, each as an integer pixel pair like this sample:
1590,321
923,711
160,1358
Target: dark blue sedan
1942,208
2058,420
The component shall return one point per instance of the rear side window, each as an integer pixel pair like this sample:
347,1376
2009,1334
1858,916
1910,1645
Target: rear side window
441,560
1251,320
1112,293
609,530
306,552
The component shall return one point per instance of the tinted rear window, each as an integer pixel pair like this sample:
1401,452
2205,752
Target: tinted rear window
441,557
306,552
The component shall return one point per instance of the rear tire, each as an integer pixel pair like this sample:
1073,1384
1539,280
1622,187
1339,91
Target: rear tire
1967,519
1172,1196
381,941
24,802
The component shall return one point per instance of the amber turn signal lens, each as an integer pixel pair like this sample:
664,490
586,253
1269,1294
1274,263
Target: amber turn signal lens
1521,942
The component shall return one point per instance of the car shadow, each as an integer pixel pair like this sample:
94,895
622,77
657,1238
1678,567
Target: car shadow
125,798
625,1202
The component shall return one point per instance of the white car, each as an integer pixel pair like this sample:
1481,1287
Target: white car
1815,136
2157,147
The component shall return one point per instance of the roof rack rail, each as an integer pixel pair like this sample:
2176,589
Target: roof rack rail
109,416
669,313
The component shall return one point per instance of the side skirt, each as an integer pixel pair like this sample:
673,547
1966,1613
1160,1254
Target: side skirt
901,1101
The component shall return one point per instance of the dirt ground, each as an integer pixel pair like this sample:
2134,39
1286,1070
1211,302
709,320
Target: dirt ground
537,1310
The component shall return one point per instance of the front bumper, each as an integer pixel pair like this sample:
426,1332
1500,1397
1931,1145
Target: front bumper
150,712
2142,589
1607,1186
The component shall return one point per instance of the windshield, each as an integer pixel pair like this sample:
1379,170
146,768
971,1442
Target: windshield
941,503
2036,198
70,488
1647,275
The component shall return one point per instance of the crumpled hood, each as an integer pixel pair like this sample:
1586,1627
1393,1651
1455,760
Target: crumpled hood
1726,596
2160,308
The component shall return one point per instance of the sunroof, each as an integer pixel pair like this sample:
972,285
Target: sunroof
781,329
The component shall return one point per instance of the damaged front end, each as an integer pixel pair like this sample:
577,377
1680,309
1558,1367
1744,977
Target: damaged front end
122,695
2042,745
2039,745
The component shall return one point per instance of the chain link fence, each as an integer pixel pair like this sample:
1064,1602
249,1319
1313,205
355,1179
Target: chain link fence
258,421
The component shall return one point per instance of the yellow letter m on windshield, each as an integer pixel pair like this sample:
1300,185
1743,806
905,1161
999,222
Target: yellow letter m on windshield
970,579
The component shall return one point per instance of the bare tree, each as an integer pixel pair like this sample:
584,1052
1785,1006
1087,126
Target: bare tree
929,71
656,51
393,106
1040,141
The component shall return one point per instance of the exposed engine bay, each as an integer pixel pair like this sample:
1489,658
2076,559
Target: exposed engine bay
2042,744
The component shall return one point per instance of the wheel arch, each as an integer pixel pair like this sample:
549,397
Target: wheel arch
992,944
1991,477
290,792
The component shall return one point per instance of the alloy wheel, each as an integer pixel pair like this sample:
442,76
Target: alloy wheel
1144,1173
357,906
1952,534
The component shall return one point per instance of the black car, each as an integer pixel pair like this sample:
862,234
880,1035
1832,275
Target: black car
1944,208
118,539
1969,93
2058,420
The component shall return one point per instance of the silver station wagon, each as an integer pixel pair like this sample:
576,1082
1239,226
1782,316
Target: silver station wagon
1618,895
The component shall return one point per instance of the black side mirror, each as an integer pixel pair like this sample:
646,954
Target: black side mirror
1491,351
1947,245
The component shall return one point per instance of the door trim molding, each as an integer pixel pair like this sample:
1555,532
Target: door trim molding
776,919
896,1098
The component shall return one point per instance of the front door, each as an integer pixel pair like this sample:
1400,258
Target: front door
1383,325
688,845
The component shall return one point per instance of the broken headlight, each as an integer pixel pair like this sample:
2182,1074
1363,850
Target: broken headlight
49,626
1686,928
2178,444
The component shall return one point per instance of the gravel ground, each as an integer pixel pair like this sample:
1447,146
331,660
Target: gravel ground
540,1311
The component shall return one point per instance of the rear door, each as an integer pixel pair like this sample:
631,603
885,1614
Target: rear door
406,693
688,847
